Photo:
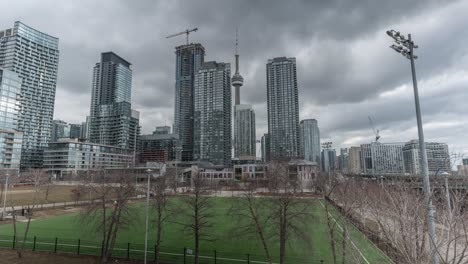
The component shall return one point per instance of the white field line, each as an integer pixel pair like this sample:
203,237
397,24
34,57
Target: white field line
349,238
140,250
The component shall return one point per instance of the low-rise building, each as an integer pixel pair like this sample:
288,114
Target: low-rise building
438,157
72,156
159,146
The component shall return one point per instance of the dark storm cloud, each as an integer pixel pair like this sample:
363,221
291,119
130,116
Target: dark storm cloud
345,67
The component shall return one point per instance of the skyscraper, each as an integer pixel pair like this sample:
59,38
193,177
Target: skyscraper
212,115
265,148
283,108
328,159
244,120
112,121
10,138
188,60
34,56
354,160
310,140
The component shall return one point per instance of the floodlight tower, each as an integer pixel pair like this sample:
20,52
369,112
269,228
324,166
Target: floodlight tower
406,48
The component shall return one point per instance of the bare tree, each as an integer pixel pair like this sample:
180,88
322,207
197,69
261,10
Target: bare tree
160,204
196,214
110,211
35,177
288,212
252,218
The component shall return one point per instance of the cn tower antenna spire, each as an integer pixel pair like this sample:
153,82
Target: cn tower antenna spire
237,81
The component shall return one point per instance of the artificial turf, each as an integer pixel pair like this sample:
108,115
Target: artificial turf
68,229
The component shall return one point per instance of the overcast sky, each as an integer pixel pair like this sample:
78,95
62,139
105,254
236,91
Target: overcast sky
346,72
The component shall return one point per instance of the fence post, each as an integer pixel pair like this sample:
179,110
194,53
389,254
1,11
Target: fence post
34,244
185,252
215,255
248,258
55,248
128,250
154,252
79,244
14,241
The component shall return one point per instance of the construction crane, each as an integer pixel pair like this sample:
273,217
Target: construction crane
376,132
186,32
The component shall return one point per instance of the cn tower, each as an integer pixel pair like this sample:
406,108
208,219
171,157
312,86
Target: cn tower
237,81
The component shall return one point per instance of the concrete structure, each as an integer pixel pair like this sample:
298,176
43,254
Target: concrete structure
10,105
188,60
354,160
465,161
158,147
382,159
310,140
265,142
462,170
283,108
212,172
328,160
112,121
304,171
212,114
244,132
34,56
438,157
71,156
244,120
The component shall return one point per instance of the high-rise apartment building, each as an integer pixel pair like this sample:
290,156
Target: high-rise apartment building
265,143
438,157
112,121
310,140
343,160
328,159
354,160
212,115
34,56
188,60
382,158
244,132
283,108
244,120
10,105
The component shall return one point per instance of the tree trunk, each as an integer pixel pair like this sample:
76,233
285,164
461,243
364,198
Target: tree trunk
283,224
197,232
343,244
158,233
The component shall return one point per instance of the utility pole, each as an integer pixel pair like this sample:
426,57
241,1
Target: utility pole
406,48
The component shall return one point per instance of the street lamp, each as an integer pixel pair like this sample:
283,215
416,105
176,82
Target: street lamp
406,48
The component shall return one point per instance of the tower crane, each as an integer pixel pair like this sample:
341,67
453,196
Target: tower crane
376,132
186,32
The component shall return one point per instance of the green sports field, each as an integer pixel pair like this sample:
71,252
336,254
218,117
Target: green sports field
67,229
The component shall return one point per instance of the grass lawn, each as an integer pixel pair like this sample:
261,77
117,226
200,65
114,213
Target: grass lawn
68,230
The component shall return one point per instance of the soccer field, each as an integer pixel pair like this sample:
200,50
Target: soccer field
68,230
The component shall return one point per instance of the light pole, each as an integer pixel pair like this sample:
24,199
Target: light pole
147,211
406,48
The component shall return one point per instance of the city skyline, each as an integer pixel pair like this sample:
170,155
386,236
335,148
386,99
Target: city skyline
386,94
